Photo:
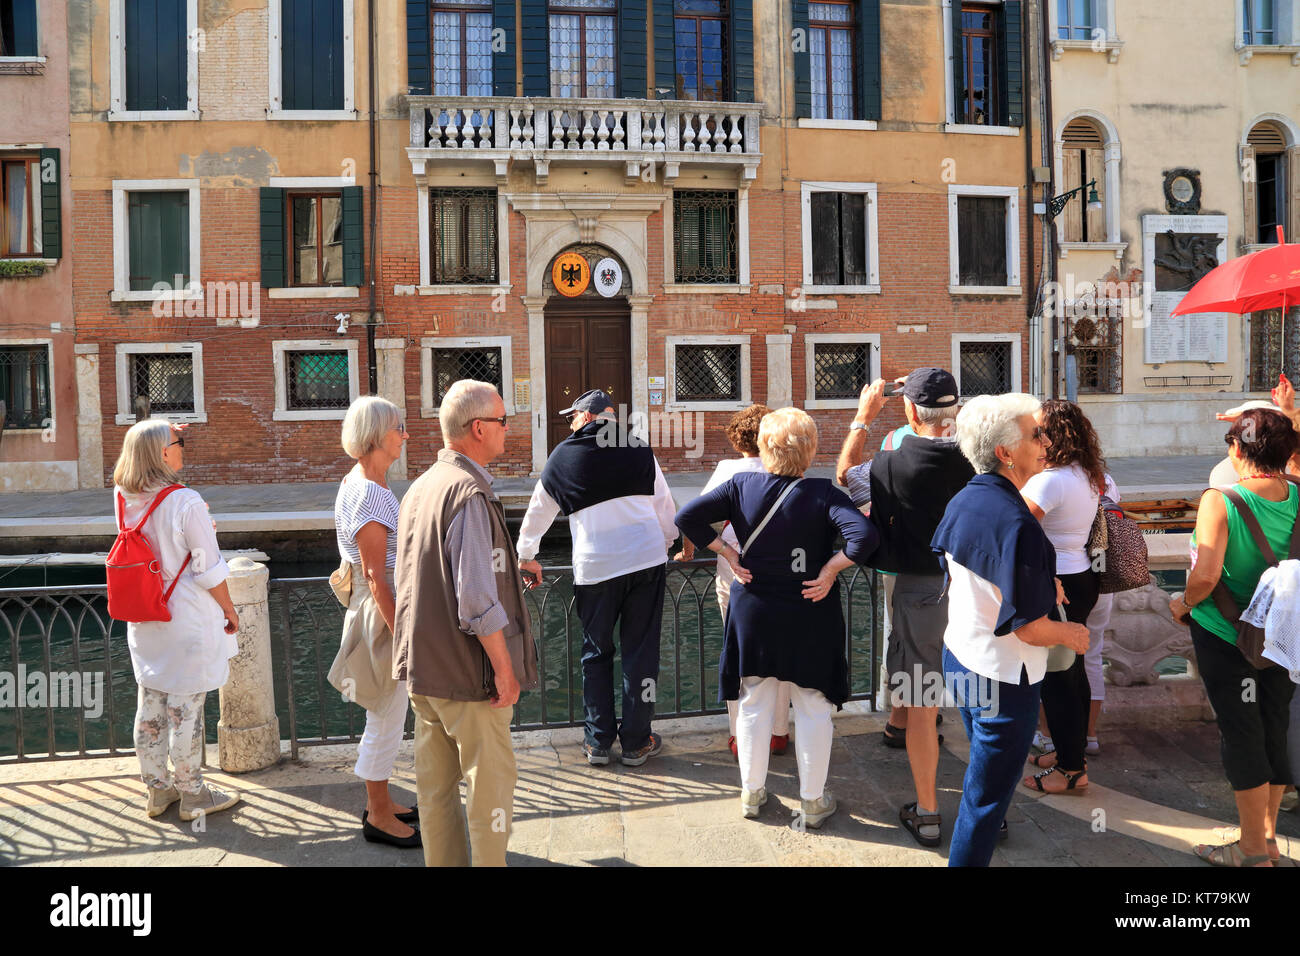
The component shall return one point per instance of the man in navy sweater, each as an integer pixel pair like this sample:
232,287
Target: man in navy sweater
621,520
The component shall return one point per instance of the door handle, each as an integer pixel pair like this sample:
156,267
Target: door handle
566,390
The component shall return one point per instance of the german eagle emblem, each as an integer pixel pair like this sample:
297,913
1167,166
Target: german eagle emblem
571,275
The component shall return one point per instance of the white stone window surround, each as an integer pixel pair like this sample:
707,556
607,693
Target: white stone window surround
1110,179
959,338
671,404
671,286
49,365
949,126
426,286
122,291
275,77
1286,25
806,190
280,363
290,184
117,111
1012,196
811,340
1104,38
502,342
125,416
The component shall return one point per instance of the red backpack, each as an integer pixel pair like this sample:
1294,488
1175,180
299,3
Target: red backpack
135,592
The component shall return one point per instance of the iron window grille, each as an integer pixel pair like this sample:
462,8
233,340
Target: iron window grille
704,236
25,385
982,240
318,380
316,233
1074,19
1258,23
1268,355
979,38
985,368
831,40
702,45
840,369
162,382
1095,340
464,246
584,47
707,373
461,34
452,365
20,211
839,238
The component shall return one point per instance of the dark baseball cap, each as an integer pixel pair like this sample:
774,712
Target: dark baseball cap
931,388
594,401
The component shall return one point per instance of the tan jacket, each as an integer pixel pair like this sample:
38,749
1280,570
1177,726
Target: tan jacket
430,651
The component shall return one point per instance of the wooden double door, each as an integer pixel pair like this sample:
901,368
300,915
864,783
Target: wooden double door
588,345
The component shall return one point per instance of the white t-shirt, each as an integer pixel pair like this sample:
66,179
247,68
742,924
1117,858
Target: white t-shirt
973,605
725,471
359,502
1069,503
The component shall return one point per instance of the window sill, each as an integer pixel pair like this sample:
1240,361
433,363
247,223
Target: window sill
309,415
707,406
806,122
981,130
48,263
151,116
22,59
1246,52
828,403
176,418
984,290
1115,247
460,289
675,288
1110,46
315,292
142,295
841,290
319,115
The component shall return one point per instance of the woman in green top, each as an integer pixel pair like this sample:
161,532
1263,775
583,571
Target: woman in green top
1252,731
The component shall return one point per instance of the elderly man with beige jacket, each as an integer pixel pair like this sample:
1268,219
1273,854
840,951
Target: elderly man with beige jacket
463,639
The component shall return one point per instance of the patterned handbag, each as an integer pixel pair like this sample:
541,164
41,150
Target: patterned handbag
1125,564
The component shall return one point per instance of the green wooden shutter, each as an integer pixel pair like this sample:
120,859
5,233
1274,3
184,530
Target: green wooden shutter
537,52
156,55
503,61
271,201
1011,71
353,232
869,105
51,206
311,54
665,50
742,51
958,67
632,48
418,69
802,58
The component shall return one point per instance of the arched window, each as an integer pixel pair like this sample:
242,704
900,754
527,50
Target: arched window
1268,143
1083,159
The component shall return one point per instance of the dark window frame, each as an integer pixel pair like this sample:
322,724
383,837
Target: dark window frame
1008,384
33,163
294,356
132,198
738,391
962,266
491,199
825,27
133,382
559,8
7,36
439,395
291,256
992,91
866,344
1267,232
463,10
731,209
698,17
841,269
43,412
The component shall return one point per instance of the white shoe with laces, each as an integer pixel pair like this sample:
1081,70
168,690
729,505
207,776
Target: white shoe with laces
751,801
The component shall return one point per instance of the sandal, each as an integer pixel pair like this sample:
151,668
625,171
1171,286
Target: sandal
895,737
1228,854
1071,781
913,821
1044,761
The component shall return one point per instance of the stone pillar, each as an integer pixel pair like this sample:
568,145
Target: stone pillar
780,391
391,371
248,734
90,434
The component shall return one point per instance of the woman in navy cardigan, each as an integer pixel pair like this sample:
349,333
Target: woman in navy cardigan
784,623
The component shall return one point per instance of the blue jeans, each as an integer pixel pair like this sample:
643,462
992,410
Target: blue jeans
1000,720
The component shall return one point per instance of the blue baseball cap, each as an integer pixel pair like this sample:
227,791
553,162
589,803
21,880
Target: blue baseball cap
594,401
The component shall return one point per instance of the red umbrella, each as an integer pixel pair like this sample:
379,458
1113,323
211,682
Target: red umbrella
1267,279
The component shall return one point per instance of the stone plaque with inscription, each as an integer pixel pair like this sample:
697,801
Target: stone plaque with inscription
1178,251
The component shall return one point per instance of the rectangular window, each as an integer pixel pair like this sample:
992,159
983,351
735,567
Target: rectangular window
704,236
982,241
1074,19
1270,195
979,26
160,383
159,239
453,364
157,56
316,231
25,385
1269,356
462,48
20,213
1094,338
830,46
1258,23
985,368
703,54
839,238
18,28
311,54
840,369
464,243
583,46
707,373
317,380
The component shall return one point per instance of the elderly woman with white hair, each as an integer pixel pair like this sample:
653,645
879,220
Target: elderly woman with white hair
176,662
1002,587
781,627
365,524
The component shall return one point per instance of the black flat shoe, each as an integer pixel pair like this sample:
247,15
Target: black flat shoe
375,835
410,816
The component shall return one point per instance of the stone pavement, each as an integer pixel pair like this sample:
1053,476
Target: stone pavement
1155,790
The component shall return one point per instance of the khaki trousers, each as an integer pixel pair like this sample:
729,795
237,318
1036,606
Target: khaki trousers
457,740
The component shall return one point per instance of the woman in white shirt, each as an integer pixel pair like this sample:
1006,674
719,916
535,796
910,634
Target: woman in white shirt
742,432
365,526
1064,497
176,662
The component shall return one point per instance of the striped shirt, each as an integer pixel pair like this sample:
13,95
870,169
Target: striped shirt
359,502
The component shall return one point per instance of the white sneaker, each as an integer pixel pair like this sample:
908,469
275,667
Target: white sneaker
751,801
816,812
160,799
1093,747
1043,743
208,800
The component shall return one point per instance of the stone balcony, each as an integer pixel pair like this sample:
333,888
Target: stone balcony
640,134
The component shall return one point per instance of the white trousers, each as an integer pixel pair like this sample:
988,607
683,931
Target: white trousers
377,750
812,740
1098,620
781,722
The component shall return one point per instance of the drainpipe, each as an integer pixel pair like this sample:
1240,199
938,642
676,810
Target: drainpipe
1057,346
1035,356
371,358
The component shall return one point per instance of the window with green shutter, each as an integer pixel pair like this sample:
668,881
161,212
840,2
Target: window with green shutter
158,226
311,54
705,236
156,55
21,221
